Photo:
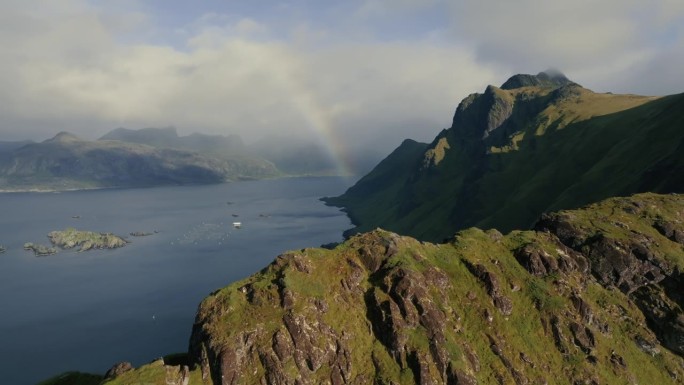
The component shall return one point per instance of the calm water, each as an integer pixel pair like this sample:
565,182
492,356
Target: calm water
86,311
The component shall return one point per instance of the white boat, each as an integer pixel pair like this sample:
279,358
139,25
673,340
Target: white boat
237,225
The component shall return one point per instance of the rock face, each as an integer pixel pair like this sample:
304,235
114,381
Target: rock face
536,144
118,369
593,296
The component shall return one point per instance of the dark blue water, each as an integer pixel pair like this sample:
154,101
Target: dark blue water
86,311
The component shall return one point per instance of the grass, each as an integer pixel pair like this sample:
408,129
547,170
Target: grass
352,320
555,154
73,378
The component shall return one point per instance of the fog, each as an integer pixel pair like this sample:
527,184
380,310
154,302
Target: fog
366,74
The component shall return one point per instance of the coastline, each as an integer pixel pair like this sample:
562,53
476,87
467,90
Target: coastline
41,190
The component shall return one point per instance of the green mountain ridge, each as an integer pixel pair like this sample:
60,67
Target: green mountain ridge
67,162
592,296
540,143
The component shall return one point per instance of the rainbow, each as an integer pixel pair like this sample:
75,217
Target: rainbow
319,124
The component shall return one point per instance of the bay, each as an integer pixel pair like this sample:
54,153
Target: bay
88,310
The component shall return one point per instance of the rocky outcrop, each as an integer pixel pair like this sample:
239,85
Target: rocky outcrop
40,250
535,307
549,78
632,256
118,369
85,240
530,307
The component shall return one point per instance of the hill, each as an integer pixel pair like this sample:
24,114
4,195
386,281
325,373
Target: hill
538,143
9,146
591,296
291,156
68,162
217,145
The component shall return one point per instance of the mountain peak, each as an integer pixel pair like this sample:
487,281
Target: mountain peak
551,78
64,137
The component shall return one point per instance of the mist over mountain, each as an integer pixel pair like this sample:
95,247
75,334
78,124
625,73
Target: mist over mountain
168,138
9,146
68,162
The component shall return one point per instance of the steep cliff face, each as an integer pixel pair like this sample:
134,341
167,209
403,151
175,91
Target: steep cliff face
539,143
593,296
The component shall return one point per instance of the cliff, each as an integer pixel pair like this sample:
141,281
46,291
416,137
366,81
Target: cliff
591,296
539,143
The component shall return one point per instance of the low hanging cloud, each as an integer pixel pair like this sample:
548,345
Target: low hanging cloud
88,69
607,44
230,75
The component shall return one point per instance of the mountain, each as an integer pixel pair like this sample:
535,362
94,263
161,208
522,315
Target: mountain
168,138
9,146
591,296
68,162
538,143
292,156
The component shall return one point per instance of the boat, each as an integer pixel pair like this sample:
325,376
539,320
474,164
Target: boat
237,225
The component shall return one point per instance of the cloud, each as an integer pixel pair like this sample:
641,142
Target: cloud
231,75
362,80
597,43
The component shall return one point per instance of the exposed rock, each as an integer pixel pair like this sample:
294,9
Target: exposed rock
632,261
399,311
583,337
583,309
670,230
40,250
491,283
118,369
549,78
177,375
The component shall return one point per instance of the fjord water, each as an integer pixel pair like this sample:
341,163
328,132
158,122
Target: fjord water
86,311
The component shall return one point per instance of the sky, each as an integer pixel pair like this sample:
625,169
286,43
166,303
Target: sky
351,74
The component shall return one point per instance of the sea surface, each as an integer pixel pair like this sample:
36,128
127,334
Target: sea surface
86,311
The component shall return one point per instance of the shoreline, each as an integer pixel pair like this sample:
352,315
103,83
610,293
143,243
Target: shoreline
39,190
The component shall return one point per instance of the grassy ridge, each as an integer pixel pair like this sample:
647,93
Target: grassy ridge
382,308
552,149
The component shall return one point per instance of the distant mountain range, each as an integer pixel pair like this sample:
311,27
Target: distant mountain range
154,156
168,138
537,143
291,156
68,162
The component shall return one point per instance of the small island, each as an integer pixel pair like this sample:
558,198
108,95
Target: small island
87,240
141,233
40,250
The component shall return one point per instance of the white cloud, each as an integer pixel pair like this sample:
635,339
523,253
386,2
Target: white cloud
596,42
231,76
89,70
